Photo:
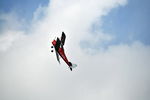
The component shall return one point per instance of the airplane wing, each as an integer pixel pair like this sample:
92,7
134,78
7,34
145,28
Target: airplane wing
57,56
57,46
63,37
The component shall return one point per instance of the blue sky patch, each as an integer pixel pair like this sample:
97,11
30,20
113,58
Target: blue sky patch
129,23
24,8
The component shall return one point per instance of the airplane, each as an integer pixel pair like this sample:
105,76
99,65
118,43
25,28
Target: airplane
59,50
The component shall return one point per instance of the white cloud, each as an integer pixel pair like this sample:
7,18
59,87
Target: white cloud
7,39
29,70
12,29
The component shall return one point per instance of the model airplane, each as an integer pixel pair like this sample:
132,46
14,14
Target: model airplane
59,49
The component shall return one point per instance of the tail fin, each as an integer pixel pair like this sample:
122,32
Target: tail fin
72,65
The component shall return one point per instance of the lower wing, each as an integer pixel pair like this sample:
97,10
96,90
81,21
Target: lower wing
57,56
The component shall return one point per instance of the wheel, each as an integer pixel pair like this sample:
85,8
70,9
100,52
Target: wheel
51,50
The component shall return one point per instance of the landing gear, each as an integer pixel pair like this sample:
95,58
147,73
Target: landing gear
52,48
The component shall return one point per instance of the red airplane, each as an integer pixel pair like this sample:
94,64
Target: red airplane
59,49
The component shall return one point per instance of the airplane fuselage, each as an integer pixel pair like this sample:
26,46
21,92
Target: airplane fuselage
61,52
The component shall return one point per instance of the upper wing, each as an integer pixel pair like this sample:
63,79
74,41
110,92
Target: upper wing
63,37
57,46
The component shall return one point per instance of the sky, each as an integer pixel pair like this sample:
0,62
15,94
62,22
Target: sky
107,39
129,23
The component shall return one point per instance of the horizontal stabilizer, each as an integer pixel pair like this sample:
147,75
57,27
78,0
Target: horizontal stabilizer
73,66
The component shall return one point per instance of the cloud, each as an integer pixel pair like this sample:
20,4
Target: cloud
29,70
12,29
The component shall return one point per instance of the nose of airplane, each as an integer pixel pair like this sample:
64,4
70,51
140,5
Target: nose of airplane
54,42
